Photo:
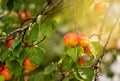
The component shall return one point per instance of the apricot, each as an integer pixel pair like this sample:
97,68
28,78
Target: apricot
83,40
100,7
28,65
6,73
9,42
71,39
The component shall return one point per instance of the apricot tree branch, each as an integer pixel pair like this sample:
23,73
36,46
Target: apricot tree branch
97,65
103,21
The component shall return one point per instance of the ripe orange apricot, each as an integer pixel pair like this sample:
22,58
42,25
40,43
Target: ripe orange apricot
83,40
87,50
9,42
71,39
6,73
81,61
100,7
28,65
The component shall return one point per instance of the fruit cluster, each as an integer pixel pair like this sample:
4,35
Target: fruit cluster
73,39
28,65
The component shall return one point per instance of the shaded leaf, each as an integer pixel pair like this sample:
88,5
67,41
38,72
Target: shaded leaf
14,67
21,57
34,32
10,5
17,50
4,55
16,43
49,69
67,63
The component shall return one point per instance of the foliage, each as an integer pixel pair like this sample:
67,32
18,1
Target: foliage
33,25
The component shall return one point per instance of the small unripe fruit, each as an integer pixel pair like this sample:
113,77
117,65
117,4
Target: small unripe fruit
6,73
87,50
9,42
83,40
81,61
28,65
71,39
100,8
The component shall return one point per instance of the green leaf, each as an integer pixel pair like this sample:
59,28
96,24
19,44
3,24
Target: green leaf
67,63
96,49
35,77
34,32
36,55
2,78
22,78
17,50
16,43
87,74
80,49
77,75
49,69
21,57
10,5
4,55
48,28
72,52
14,67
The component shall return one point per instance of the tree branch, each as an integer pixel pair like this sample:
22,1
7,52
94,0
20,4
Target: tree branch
33,20
97,65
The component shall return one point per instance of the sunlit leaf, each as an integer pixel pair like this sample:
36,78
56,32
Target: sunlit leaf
2,78
87,73
96,49
48,28
72,52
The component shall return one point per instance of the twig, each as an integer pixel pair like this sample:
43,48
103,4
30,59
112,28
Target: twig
103,21
52,8
41,40
33,20
20,29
